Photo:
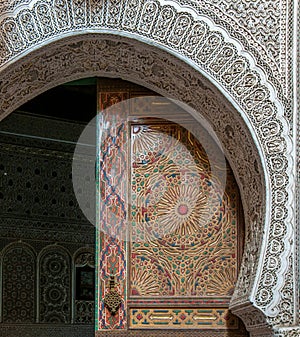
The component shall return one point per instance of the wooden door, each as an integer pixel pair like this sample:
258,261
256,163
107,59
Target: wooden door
170,229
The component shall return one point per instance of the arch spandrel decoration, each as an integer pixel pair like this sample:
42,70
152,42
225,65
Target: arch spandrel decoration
257,152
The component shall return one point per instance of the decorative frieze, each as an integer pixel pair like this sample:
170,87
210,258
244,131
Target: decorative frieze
259,26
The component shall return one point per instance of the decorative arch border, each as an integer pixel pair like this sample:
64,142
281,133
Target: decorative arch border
53,247
256,138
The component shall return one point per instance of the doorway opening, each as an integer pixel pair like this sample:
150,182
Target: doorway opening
41,214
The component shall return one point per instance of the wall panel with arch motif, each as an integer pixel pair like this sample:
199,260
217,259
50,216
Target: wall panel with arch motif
54,286
84,286
18,284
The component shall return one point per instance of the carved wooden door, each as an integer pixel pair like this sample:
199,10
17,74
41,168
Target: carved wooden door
170,229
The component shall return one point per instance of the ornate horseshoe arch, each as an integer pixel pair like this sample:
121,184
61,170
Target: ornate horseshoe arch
182,53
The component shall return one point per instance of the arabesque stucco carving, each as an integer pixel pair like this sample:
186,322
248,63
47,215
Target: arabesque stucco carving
187,51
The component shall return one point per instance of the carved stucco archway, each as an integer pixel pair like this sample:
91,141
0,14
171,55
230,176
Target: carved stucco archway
180,52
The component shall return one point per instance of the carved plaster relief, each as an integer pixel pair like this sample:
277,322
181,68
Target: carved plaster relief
259,152
260,25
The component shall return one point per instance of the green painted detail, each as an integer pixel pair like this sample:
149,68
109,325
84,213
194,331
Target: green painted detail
189,323
176,311
189,311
